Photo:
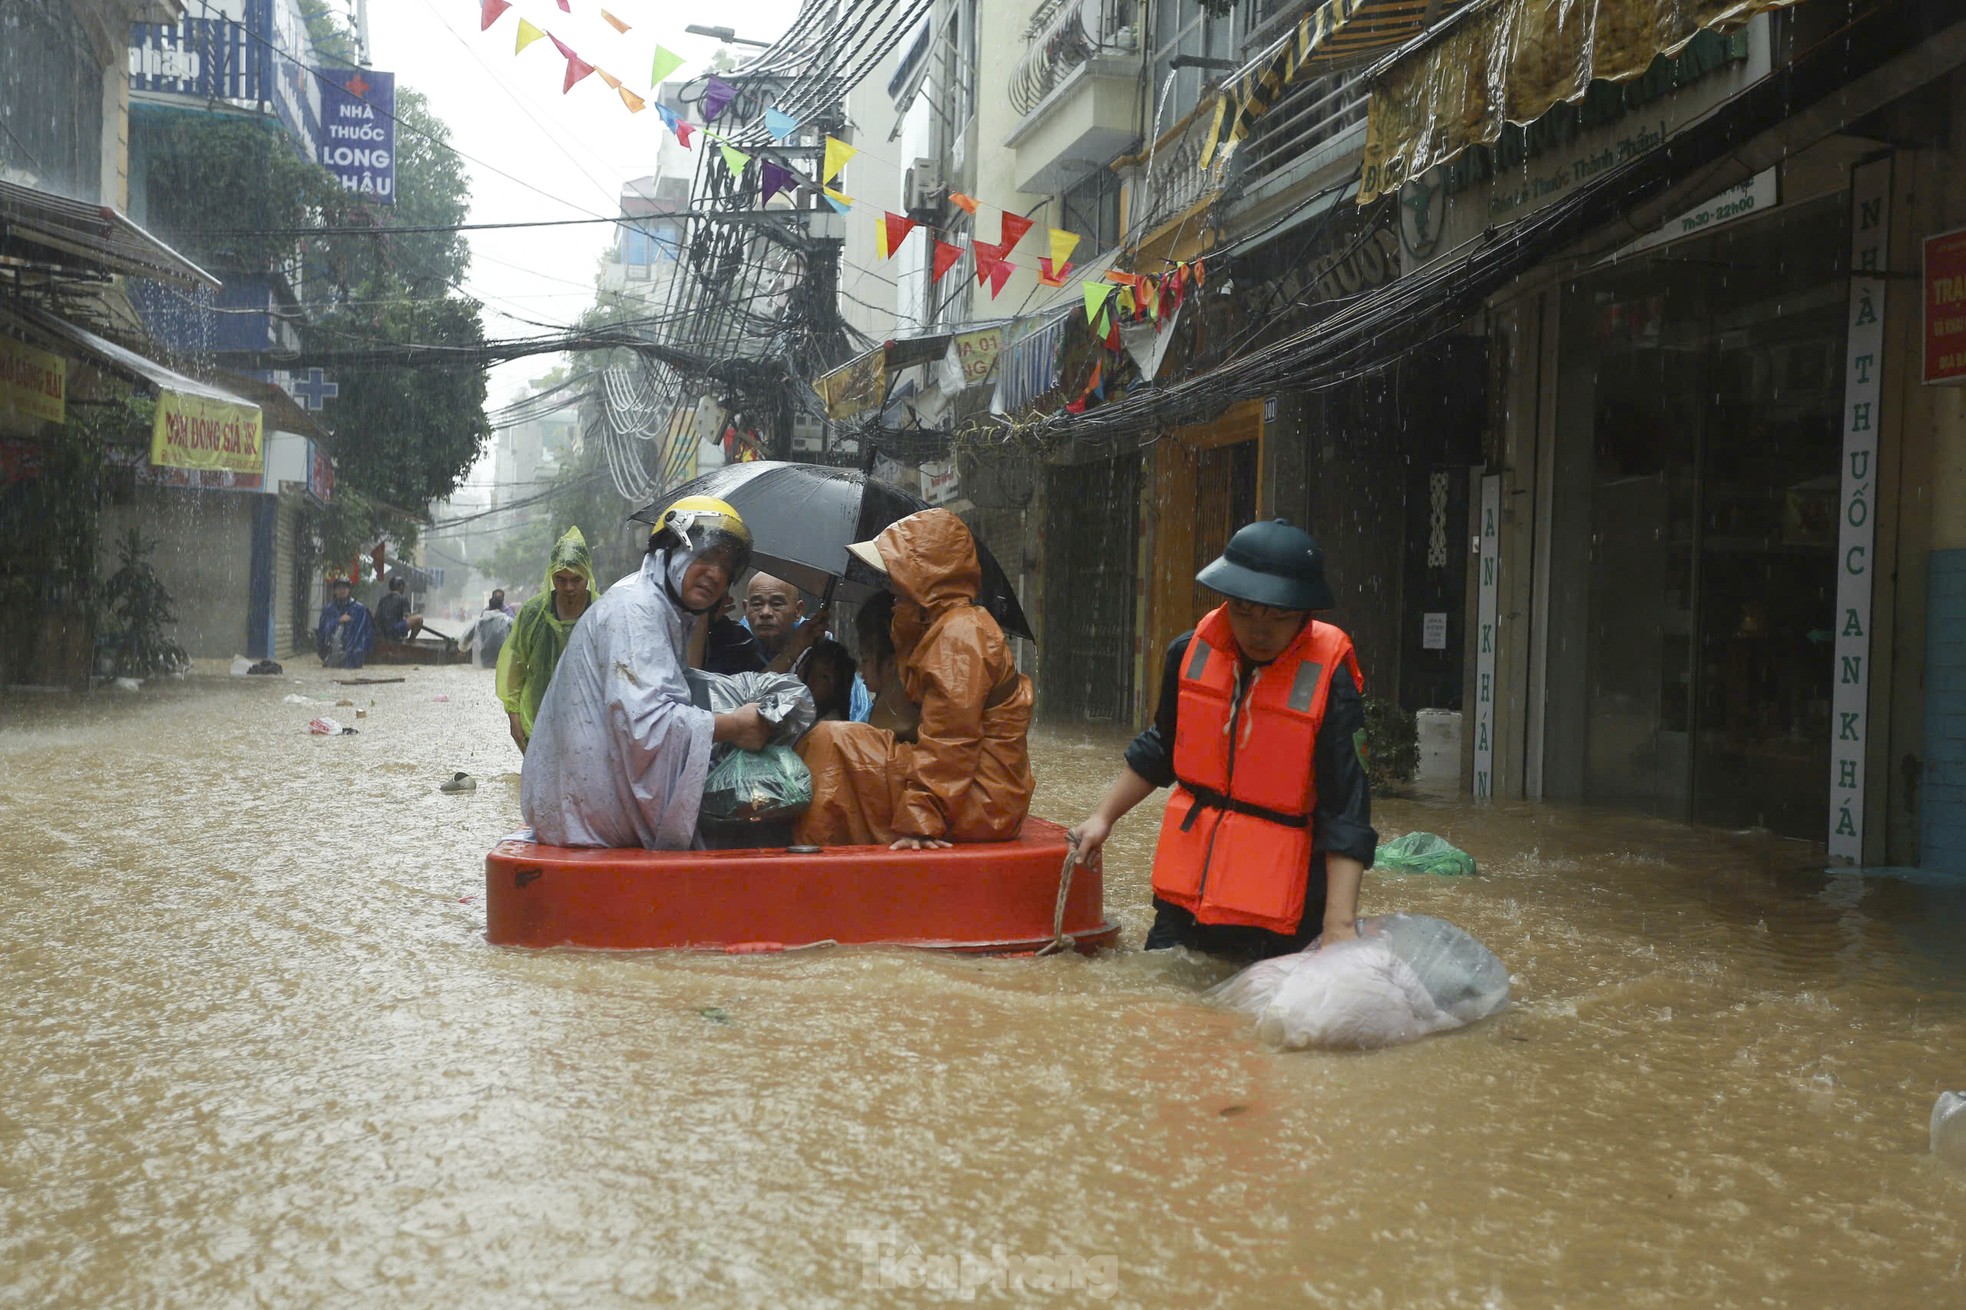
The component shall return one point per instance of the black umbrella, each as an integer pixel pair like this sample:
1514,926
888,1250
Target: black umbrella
803,517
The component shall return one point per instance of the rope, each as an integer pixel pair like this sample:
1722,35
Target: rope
1059,941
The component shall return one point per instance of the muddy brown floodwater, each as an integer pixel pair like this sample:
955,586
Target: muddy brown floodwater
258,1052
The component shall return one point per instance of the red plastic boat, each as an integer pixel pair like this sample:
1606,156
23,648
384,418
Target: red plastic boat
987,897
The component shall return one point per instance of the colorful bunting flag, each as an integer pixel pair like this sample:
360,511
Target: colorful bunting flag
780,124
614,22
1053,275
777,178
999,274
946,256
838,153
490,11
988,256
666,62
634,102
577,68
894,229
527,35
840,202
734,159
965,203
1062,245
1096,294
614,83
1013,230
683,128
717,93
563,7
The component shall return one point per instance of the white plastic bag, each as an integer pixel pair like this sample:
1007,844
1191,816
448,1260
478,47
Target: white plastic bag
1407,976
1949,1127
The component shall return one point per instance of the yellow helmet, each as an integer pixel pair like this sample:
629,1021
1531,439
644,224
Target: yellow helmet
702,523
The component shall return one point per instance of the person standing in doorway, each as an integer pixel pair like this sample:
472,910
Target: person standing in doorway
1260,730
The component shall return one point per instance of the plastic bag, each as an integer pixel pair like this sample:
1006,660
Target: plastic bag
1422,852
1949,1127
756,787
780,697
1407,976
326,727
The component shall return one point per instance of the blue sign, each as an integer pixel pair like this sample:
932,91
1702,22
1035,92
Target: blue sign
358,131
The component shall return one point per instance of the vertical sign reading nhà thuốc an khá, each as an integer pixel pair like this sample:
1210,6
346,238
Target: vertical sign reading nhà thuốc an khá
358,131
1870,187
1488,608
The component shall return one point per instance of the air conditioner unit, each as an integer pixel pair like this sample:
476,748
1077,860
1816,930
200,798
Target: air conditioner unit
922,188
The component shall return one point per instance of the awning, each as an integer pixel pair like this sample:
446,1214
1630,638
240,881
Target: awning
1330,34
1512,61
100,237
197,426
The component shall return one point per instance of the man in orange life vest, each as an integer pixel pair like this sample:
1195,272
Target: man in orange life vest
1260,731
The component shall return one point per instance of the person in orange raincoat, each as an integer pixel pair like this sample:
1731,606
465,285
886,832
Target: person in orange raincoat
967,776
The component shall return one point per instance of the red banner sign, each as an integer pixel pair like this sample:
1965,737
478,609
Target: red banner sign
1945,308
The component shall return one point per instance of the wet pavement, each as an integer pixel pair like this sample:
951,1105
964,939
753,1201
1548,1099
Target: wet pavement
259,1053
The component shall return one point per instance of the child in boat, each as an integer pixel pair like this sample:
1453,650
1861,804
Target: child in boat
967,775
827,672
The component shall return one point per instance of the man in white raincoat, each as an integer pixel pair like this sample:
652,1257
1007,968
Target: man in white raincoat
619,753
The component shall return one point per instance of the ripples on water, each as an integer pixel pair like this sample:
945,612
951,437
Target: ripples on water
258,1051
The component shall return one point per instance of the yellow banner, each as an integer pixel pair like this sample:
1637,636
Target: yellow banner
856,386
197,432
33,383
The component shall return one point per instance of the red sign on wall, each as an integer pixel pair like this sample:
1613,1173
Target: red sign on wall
1945,308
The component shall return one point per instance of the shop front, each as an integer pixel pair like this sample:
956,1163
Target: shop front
1692,530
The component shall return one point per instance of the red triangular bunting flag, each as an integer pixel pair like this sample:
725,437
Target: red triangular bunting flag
1014,228
946,256
999,274
895,229
683,128
563,7
988,256
1052,277
577,68
490,11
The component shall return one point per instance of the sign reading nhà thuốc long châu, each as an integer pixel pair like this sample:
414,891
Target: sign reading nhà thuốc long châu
358,131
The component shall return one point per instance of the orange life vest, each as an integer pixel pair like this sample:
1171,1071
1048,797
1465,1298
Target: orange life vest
1235,846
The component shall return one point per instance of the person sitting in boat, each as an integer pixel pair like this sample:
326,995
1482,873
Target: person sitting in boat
346,633
828,674
539,635
1259,731
967,775
392,612
878,696
722,644
619,754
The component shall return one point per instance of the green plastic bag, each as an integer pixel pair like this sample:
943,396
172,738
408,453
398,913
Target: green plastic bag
750,787
1422,852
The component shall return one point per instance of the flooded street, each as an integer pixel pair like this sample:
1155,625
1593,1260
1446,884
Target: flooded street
259,1053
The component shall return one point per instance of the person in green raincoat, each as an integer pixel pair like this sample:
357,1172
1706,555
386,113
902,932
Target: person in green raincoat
539,634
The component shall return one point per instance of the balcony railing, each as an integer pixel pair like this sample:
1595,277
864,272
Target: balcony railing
1172,179
1065,34
1312,121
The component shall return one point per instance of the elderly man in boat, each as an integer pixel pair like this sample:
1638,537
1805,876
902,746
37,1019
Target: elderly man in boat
967,775
618,753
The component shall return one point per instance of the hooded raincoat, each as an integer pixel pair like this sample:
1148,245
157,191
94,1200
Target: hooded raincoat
967,776
619,753
539,635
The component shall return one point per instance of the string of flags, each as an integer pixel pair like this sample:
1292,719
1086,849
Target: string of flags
1108,299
